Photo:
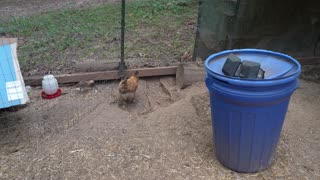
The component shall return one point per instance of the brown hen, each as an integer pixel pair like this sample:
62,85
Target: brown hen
127,89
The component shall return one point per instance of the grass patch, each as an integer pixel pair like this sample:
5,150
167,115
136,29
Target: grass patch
154,27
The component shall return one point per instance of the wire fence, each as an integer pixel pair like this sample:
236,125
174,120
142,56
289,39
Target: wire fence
25,117
55,36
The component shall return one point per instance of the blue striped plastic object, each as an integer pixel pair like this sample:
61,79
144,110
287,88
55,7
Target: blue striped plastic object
12,87
248,115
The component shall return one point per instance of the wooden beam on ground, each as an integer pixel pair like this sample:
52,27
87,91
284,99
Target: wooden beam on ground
309,60
103,75
6,41
187,74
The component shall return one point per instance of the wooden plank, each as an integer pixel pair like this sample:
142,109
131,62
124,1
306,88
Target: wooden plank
309,60
7,41
104,75
187,74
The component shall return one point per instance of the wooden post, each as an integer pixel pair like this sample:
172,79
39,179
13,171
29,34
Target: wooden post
187,74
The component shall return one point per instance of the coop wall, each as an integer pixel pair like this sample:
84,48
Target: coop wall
287,26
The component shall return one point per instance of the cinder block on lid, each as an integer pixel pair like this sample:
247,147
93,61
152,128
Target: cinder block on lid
231,65
249,70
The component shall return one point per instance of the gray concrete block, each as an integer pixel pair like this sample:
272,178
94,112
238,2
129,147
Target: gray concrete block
249,70
231,65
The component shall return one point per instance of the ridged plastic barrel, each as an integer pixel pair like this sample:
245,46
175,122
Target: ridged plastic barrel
247,115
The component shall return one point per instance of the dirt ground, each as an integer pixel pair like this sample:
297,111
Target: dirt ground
311,73
85,135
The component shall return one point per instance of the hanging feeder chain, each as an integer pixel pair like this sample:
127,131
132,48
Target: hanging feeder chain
122,65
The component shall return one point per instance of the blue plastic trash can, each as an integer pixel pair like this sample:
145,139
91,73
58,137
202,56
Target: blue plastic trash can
247,115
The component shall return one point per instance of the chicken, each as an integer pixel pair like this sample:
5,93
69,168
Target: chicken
127,89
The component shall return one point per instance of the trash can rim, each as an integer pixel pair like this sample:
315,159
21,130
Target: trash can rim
254,82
